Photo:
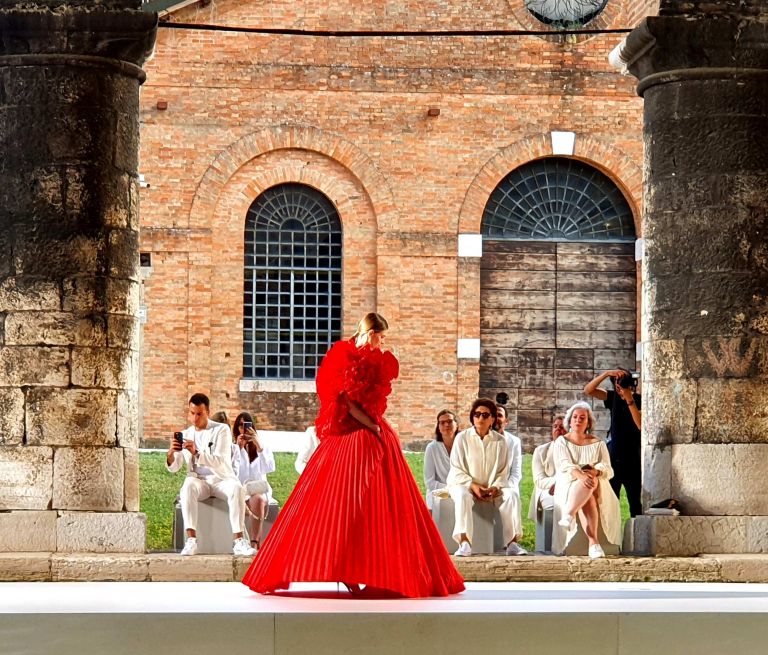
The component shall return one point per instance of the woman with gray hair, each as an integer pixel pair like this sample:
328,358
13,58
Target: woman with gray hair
583,469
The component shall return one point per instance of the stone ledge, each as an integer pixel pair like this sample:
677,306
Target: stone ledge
170,567
25,567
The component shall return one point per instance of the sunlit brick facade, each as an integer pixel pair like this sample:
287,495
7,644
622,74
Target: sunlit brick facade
407,136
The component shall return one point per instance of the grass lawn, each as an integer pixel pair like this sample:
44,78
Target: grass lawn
159,489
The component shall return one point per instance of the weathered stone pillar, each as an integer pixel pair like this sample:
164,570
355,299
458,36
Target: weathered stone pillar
703,73
69,130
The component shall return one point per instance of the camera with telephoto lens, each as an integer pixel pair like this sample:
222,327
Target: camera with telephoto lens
629,380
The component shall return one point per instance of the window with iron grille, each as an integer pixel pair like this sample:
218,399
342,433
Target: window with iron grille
559,199
292,291
565,14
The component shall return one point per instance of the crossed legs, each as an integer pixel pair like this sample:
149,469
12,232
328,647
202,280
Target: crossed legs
583,501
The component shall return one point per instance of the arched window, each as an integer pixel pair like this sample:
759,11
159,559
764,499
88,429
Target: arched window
292,292
565,14
560,199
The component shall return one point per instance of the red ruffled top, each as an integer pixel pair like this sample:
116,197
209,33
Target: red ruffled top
363,375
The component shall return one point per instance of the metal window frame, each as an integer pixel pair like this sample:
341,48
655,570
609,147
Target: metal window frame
558,199
589,10
292,291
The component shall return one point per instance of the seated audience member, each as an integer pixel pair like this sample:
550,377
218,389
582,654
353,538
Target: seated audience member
221,417
205,448
582,488
311,442
437,456
256,461
543,469
515,467
479,474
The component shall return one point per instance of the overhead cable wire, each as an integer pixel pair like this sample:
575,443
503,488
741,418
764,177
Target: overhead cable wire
279,31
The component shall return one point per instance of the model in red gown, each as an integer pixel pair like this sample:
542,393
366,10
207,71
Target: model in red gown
356,515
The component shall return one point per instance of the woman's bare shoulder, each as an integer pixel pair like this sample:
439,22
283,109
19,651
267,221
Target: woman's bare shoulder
591,441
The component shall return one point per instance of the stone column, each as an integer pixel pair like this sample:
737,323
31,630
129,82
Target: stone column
703,73
69,287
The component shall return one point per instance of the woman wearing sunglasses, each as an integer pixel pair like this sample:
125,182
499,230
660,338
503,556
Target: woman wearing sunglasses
479,466
356,515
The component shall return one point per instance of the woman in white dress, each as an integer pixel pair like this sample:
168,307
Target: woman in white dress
583,470
437,457
255,462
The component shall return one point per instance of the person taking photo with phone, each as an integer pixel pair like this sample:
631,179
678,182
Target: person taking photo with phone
205,448
255,462
624,403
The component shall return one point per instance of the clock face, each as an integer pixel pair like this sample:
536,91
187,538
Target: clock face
565,13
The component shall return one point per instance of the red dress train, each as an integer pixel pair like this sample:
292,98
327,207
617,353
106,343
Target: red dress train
356,515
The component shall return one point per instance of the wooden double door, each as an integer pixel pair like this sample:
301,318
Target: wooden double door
552,316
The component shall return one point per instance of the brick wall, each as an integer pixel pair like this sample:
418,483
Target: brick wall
349,117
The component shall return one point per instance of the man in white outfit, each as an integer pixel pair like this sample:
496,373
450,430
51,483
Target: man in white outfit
515,467
479,473
205,447
544,475
311,442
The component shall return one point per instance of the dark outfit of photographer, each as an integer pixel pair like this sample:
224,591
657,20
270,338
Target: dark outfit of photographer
624,446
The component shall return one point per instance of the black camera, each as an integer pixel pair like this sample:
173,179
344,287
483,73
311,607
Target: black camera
502,398
178,437
629,380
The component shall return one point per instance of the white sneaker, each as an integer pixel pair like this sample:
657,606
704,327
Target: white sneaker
565,521
241,548
465,550
596,551
516,549
190,547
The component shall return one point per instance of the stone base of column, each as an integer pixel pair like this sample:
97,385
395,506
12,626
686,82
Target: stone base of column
73,532
687,536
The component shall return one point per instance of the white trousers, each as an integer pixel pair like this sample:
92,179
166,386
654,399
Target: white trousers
509,510
196,489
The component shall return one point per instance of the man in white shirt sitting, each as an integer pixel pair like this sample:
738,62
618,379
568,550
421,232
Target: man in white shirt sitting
544,474
515,467
479,473
205,448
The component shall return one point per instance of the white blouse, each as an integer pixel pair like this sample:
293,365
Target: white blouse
483,461
256,469
437,463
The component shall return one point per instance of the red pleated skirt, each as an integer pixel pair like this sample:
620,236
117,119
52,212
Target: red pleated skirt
356,516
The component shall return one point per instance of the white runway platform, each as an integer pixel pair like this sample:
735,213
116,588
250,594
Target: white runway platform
158,618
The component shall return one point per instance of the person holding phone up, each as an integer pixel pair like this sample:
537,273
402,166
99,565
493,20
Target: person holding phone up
255,461
205,448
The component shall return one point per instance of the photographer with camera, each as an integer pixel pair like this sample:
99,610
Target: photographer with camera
623,401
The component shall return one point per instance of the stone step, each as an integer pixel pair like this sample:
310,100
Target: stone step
170,567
